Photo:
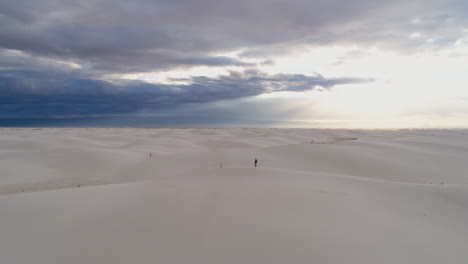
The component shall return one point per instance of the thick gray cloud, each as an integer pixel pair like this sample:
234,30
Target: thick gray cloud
118,35
35,94
54,54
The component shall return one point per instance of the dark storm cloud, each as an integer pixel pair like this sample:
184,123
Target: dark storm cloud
55,54
34,94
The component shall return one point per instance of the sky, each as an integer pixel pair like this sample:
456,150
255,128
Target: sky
294,63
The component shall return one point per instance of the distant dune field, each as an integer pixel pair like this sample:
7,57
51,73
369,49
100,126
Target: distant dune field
121,195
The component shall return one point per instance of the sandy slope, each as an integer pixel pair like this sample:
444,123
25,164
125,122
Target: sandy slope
385,197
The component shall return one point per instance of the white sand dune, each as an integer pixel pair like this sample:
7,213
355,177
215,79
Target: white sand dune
351,197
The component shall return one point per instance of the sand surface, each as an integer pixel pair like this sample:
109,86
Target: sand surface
353,196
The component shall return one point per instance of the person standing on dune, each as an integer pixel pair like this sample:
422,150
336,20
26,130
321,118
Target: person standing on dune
255,162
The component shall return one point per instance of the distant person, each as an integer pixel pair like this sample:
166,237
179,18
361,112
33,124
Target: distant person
312,141
256,162
150,155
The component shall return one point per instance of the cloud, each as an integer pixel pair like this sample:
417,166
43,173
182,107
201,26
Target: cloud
142,35
56,56
36,94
